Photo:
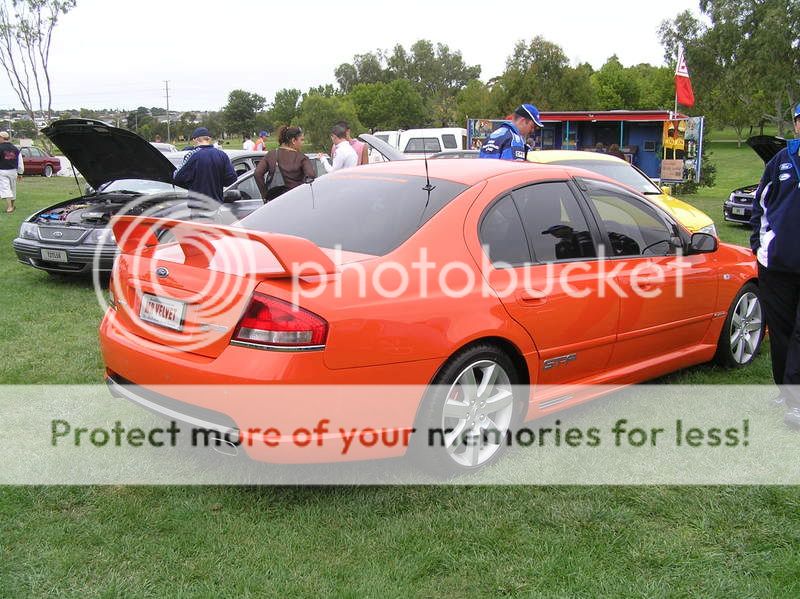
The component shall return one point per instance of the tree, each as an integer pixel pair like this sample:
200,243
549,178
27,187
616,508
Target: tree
319,113
616,87
25,128
392,105
744,60
534,73
285,107
474,101
239,114
26,30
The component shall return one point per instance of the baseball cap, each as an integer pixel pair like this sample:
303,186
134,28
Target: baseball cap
797,111
262,134
200,132
529,111
4,135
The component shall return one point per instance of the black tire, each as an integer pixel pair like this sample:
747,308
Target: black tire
737,351
48,171
428,444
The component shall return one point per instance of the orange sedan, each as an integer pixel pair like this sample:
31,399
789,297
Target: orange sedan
495,285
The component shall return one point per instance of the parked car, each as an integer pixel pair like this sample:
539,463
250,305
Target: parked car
119,168
738,208
621,170
422,141
163,147
39,162
501,222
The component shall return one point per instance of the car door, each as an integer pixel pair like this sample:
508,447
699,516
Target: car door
544,267
667,299
37,161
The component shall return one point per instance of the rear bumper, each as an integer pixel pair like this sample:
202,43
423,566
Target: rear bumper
246,389
79,258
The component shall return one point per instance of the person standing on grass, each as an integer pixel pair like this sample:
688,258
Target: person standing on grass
344,156
11,165
776,244
294,166
507,142
248,144
206,170
359,146
260,144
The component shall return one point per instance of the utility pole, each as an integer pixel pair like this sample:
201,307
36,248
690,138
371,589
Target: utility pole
166,84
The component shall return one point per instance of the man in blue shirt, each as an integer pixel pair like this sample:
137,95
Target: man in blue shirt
206,170
507,142
775,221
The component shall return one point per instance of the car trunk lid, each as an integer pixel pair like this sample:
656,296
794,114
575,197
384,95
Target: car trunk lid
766,146
191,294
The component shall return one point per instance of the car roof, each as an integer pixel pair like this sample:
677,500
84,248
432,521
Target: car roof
568,155
460,171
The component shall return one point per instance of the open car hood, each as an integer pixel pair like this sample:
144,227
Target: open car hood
388,152
766,146
103,153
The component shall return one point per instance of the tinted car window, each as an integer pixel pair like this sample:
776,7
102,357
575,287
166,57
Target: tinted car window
624,173
370,214
633,227
503,236
449,141
423,144
554,222
249,189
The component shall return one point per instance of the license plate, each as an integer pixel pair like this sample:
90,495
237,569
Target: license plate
162,311
54,255
737,210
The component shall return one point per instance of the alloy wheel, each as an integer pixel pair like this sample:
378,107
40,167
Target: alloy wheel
477,413
746,328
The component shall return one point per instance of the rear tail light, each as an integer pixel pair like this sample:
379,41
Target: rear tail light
269,321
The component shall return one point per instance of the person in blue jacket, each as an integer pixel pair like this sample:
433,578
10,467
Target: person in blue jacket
507,142
776,243
205,170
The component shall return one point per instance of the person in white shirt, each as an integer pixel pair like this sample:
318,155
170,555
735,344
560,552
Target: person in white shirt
248,144
344,155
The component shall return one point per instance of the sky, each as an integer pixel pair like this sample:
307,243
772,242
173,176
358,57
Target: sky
118,53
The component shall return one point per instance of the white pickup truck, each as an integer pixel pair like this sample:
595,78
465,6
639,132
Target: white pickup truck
425,141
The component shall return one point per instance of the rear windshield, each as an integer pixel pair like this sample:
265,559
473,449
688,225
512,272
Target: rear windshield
368,214
623,173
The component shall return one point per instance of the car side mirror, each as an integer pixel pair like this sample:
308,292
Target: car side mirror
666,190
231,195
703,243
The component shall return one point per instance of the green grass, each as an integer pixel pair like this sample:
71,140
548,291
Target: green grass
353,542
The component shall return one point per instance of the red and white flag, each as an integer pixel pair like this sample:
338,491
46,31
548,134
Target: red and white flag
683,84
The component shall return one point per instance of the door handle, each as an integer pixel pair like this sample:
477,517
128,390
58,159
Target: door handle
530,299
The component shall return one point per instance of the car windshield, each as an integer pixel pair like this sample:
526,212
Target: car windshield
623,173
368,214
136,185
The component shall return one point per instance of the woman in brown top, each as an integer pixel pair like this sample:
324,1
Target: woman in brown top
295,166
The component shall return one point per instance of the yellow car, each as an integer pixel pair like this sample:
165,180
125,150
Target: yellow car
696,221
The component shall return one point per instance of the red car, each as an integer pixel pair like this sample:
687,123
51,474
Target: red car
540,278
39,162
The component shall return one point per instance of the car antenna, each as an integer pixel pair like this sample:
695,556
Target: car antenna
428,187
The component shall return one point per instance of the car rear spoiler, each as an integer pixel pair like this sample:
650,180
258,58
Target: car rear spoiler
297,256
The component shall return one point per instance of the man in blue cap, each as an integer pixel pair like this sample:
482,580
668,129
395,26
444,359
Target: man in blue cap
206,170
776,244
507,142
